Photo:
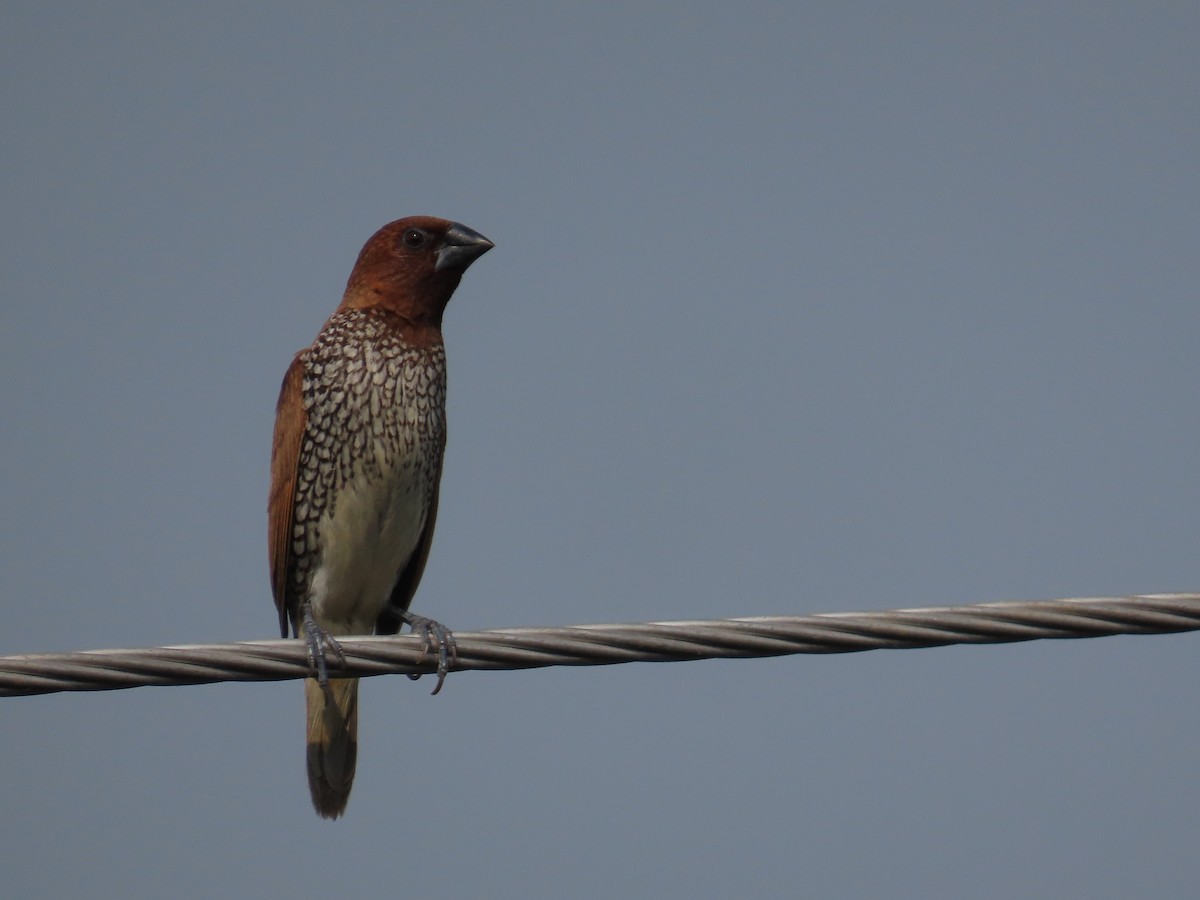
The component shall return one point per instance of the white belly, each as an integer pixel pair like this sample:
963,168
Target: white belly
365,543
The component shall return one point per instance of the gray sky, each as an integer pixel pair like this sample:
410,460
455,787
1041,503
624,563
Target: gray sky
793,308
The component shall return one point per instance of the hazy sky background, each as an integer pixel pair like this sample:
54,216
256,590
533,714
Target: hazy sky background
794,308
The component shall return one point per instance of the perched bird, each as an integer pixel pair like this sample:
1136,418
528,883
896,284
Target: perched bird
356,460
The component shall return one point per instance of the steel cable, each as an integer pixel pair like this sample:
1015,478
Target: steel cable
599,645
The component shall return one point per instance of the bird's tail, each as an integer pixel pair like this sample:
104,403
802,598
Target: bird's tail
332,742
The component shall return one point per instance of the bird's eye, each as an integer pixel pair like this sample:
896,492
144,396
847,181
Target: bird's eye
414,238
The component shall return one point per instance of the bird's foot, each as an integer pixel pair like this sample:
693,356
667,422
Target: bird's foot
319,642
435,633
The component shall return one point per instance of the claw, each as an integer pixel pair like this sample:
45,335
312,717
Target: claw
434,633
320,641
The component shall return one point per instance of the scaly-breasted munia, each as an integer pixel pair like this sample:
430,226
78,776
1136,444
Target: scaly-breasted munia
357,457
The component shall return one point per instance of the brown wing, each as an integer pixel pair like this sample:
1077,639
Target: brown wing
410,578
285,453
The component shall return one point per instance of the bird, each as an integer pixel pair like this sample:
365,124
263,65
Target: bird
356,464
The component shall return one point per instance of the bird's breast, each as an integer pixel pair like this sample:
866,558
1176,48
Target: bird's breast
370,464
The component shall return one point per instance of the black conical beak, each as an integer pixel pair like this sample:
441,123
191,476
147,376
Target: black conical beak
462,247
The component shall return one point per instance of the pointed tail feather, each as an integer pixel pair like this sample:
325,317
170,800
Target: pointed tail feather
332,742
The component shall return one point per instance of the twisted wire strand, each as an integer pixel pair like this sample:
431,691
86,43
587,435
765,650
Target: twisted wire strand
600,645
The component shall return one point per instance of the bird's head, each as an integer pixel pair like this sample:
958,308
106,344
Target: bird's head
412,266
